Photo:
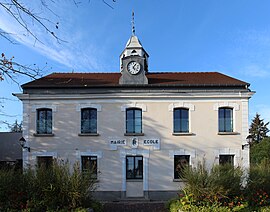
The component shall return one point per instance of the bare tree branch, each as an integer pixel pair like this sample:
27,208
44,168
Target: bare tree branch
22,13
11,69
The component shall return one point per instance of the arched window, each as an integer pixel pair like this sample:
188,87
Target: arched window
225,119
88,120
133,120
180,120
44,121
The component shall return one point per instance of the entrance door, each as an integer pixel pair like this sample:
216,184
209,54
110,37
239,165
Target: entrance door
134,176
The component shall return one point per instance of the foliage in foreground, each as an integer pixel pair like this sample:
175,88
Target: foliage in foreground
220,189
46,189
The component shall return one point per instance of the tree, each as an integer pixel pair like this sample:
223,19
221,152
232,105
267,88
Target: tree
26,16
260,151
16,127
258,129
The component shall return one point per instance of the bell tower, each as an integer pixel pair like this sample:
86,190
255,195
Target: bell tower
133,61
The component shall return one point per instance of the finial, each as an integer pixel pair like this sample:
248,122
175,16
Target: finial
133,24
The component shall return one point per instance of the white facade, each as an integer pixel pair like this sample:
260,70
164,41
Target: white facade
203,142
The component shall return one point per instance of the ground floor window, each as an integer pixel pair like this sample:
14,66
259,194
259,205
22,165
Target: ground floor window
134,167
180,163
45,161
226,159
89,164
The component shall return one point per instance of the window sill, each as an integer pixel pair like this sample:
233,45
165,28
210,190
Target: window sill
228,133
134,180
88,134
179,180
134,134
43,135
183,134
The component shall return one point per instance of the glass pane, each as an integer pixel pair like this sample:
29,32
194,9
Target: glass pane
138,125
138,113
176,120
44,161
130,114
226,159
221,120
180,163
129,127
130,167
138,167
184,125
89,164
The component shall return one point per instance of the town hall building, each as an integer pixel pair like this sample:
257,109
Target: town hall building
136,129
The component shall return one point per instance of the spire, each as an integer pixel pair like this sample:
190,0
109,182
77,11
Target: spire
133,24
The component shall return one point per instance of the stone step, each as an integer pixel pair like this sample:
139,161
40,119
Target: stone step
134,206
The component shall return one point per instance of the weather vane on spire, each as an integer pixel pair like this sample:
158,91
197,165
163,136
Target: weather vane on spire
133,24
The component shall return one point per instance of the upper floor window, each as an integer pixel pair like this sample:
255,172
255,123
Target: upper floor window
133,120
44,121
180,120
225,119
89,164
134,167
180,163
89,120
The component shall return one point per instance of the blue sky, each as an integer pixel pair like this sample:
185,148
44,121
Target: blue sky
228,36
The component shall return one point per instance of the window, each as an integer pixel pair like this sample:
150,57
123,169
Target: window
44,121
226,159
134,167
45,161
225,117
133,120
180,120
180,163
89,164
89,120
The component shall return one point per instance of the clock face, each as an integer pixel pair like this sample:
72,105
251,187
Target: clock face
134,67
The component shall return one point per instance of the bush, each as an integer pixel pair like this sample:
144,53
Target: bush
220,184
258,186
45,189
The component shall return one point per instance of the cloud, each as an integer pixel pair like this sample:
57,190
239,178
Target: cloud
255,70
263,110
76,54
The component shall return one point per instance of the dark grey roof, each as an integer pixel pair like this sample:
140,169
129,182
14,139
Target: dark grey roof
10,148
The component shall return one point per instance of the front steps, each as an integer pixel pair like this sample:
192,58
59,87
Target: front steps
135,206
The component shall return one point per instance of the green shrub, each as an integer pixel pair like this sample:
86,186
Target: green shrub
258,185
207,187
50,189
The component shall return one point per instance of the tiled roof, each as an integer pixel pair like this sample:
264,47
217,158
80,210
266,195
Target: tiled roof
197,79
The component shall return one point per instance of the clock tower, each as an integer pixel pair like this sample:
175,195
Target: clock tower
133,61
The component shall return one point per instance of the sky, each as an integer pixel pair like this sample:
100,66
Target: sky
227,36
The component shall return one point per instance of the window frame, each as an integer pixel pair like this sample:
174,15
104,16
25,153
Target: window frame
133,174
181,110
47,129
133,131
177,174
223,121
93,170
89,130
